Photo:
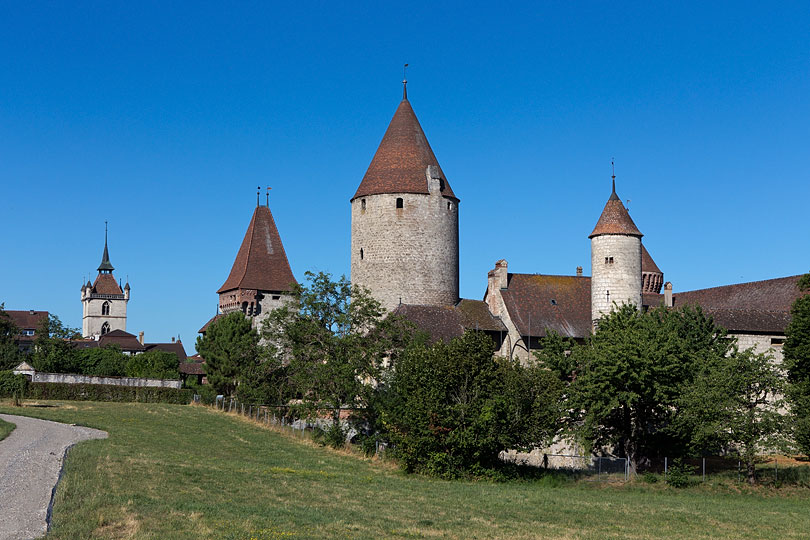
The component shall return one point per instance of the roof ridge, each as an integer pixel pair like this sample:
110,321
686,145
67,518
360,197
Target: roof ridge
738,284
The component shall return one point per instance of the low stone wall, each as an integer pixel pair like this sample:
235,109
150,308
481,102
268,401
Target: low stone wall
67,378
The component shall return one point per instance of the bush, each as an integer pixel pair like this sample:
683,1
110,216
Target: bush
207,393
12,385
334,435
680,474
650,477
103,392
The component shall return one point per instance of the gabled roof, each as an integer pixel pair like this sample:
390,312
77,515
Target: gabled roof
756,306
538,303
27,320
261,263
402,159
175,347
210,321
106,284
444,323
123,339
615,219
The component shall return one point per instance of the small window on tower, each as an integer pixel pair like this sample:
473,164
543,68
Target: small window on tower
105,328
449,205
362,204
361,254
399,202
105,308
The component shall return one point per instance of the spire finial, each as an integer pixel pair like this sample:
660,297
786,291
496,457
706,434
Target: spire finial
105,265
268,196
404,82
258,192
613,176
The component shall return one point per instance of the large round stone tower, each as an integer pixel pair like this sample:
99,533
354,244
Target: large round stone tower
615,259
405,221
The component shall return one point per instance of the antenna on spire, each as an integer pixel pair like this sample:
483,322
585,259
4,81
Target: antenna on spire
258,192
404,82
613,176
268,196
105,232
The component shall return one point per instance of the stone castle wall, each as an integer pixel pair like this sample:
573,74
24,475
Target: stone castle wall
615,268
408,253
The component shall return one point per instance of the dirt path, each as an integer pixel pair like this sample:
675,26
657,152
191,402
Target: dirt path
30,465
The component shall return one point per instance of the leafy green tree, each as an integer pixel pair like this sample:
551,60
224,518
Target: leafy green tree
628,375
796,351
327,346
454,407
53,352
104,362
9,353
153,364
229,345
735,401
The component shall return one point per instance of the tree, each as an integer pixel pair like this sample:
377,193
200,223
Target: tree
153,364
796,351
453,408
229,345
53,352
105,361
734,401
328,345
627,377
9,352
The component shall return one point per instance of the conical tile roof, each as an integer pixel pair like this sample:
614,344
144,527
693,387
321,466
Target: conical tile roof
401,161
615,219
261,263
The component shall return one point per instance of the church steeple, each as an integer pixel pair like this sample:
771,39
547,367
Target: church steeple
106,266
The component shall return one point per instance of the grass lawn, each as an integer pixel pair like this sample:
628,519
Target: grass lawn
172,471
5,429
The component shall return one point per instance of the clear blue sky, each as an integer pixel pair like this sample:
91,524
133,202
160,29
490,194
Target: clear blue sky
164,117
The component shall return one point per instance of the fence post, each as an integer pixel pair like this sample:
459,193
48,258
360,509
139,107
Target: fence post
739,471
704,470
665,468
599,467
775,469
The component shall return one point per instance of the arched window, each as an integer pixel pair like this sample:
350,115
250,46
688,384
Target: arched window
105,308
105,328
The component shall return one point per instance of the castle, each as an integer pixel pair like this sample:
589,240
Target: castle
405,250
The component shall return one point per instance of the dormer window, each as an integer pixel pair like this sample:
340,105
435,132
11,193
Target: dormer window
399,202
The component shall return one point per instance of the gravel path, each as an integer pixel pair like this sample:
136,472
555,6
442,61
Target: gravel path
30,465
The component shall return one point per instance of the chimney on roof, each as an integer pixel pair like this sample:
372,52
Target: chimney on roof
498,276
140,338
579,271
31,312
172,339
668,294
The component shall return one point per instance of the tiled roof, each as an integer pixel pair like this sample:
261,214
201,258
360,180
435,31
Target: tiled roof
447,322
756,306
211,320
176,348
106,284
538,303
615,219
261,263
29,319
125,340
401,161
647,262
192,368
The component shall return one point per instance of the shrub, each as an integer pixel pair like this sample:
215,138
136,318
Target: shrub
680,474
334,435
102,392
12,385
650,477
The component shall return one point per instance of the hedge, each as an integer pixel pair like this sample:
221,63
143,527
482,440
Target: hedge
103,392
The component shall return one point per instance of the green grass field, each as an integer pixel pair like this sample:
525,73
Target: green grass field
5,429
170,471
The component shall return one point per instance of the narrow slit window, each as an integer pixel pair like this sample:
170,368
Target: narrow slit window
362,204
449,205
399,202
361,254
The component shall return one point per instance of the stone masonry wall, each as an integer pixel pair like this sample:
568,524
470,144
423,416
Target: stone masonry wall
92,319
615,268
762,343
67,378
408,253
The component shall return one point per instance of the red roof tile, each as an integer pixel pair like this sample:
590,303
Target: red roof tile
538,303
106,284
211,320
123,339
401,161
647,262
27,320
261,263
174,347
615,219
444,323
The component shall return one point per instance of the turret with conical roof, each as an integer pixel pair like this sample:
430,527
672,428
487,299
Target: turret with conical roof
260,276
405,220
615,259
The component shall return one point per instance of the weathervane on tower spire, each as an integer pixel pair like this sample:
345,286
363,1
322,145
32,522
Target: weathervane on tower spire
268,196
404,82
